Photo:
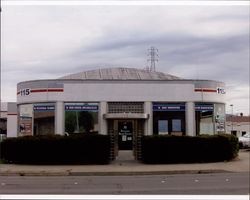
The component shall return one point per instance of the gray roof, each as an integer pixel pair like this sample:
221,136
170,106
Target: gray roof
120,74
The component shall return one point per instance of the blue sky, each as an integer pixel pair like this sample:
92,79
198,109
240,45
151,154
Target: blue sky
204,42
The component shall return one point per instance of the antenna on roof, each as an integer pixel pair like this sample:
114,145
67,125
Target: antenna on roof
153,53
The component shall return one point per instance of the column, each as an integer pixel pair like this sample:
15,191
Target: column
148,126
12,126
59,118
190,119
103,128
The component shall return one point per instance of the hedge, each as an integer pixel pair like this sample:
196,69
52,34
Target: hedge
159,149
55,149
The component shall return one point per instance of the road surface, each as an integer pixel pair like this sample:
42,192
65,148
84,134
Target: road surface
184,184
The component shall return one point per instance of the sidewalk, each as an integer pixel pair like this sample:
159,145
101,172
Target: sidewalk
127,167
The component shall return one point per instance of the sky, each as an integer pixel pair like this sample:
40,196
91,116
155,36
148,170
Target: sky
193,42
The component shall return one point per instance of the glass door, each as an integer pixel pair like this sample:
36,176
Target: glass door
125,134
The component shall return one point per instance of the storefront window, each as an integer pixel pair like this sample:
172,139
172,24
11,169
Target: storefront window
81,117
163,127
3,126
204,118
169,118
176,125
25,120
44,119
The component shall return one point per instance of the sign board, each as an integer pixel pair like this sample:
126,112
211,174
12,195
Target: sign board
82,107
44,107
168,107
221,90
25,92
204,107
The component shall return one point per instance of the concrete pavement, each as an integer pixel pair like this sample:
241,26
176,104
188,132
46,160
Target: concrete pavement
128,167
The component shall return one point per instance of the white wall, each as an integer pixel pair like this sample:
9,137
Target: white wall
125,91
108,91
12,119
190,119
239,127
12,126
59,118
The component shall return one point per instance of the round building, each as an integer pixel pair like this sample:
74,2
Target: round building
125,103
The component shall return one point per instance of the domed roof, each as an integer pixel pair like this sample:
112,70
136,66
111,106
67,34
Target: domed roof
120,74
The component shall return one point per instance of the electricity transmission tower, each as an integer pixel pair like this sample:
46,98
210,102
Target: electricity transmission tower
153,53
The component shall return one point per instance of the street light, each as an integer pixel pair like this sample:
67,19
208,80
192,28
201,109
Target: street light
232,106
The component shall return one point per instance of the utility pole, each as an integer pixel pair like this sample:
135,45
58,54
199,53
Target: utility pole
153,53
232,126
0,65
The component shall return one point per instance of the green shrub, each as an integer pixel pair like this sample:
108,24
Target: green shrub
186,149
56,149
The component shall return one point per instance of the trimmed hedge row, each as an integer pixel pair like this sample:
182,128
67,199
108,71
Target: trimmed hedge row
186,149
56,149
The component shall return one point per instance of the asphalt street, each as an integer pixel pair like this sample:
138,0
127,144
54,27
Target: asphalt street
193,184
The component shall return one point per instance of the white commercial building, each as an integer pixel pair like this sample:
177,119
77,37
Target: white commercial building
125,103
8,119
238,125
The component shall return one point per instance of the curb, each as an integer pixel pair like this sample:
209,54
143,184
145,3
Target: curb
34,173
135,173
138,173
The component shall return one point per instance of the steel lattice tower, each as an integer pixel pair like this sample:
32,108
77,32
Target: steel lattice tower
153,53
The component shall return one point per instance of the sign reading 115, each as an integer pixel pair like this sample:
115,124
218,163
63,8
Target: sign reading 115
221,91
25,92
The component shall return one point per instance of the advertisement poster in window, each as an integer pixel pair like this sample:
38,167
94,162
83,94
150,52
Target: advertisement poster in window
25,119
25,126
220,117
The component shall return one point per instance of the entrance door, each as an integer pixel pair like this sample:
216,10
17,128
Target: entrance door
125,134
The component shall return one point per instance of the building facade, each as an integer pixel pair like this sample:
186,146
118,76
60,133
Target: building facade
237,125
125,103
3,118
8,120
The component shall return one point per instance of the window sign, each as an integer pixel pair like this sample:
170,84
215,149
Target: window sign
220,117
168,107
81,107
25,125
43,107
163,127
25,119
204,107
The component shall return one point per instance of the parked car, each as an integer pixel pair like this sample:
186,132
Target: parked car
244,141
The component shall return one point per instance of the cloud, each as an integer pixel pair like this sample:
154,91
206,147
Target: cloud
218,58
206,42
